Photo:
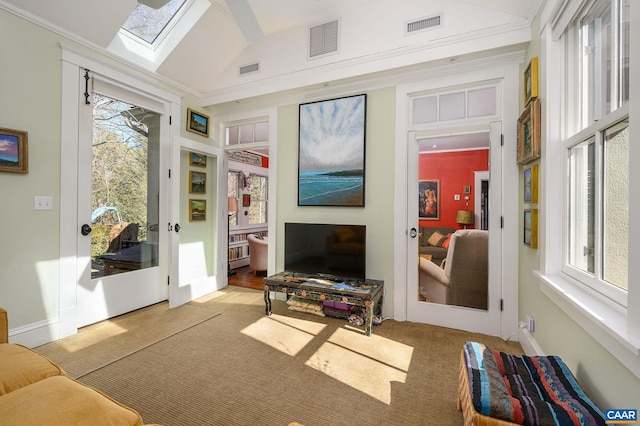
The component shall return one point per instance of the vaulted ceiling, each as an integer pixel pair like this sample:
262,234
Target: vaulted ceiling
372,38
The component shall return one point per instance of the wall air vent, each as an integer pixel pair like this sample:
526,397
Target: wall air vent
249,69
423,24
323,39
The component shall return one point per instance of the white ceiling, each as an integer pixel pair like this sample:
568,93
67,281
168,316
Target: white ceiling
206,60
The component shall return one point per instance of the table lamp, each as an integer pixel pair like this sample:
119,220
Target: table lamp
464,217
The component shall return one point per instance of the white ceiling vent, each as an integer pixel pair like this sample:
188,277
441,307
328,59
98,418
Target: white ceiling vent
250,69
323,39
423,24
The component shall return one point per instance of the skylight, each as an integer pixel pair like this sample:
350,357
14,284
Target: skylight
148,23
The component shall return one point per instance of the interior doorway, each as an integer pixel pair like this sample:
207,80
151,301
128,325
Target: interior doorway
448,164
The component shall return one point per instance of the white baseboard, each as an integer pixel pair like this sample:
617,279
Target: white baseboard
35,334
529,343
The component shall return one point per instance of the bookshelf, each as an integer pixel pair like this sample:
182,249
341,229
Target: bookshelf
239,247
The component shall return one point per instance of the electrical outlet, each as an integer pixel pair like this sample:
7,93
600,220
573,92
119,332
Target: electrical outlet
43,203
456,197
531,323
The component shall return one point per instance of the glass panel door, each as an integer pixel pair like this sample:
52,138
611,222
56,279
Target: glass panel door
124,187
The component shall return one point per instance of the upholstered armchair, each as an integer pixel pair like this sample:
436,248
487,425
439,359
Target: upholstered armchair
258,248
463,279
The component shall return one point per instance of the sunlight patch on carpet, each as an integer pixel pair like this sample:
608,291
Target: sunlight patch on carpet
368,364
286,334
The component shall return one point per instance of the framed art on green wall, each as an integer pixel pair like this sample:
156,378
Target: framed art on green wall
331,152
14,154
197,210
530,177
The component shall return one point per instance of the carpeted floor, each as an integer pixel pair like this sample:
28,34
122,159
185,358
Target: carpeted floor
105,342
242,368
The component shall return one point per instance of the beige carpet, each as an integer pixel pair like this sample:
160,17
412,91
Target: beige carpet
242,368
108,341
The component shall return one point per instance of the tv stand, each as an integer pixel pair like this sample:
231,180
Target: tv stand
364,293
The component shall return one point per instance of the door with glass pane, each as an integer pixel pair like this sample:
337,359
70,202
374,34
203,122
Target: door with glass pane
453,266
120,208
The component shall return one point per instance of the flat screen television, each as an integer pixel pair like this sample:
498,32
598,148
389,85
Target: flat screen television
328,249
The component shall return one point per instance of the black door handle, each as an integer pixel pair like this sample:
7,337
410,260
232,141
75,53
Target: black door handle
413,233
177,227
85,229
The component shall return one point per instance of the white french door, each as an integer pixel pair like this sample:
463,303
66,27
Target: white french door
196,243
462,318
122,243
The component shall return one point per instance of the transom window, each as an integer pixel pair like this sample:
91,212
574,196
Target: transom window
598,150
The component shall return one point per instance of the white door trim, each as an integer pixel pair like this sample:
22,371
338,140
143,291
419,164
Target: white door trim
508,73
73,65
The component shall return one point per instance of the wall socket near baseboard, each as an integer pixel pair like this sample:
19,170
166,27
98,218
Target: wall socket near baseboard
531,323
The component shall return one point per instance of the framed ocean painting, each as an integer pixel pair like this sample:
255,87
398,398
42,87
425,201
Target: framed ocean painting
331,152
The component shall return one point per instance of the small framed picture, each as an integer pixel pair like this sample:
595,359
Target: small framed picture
13,151
197,122
530,177
531,81
529,133
429,199
246,200
197,182
197,210
198,160
530,236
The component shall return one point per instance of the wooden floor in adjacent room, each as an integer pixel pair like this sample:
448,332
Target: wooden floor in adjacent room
244,277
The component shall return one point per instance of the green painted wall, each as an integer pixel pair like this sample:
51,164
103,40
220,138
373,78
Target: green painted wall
378,213
604,378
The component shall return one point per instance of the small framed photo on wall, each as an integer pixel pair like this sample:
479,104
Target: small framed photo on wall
197,122
530,177
429,199
197,182
531,81
197,160
197,210
14,157
529,133
530,237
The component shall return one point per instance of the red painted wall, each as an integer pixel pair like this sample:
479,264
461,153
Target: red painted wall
454,170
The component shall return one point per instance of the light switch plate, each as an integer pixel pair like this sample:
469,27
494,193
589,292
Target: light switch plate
43,203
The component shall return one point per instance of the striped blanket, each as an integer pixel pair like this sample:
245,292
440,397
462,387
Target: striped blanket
535,391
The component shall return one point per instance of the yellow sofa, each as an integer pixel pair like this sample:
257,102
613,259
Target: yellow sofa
35,391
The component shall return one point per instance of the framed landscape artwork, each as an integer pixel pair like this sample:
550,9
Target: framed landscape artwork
531,81
13,151
197,122
331,152
530,235
529,133
429,199
197,182
198,160
197,210
530,176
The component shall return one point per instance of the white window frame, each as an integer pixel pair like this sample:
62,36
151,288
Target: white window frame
608,322
264,200
596,130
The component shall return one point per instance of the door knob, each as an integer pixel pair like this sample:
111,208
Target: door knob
413,233
177,227
85,229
